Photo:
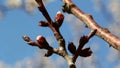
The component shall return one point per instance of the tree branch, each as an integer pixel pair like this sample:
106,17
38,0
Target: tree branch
84,52
70,7
103,33
54,26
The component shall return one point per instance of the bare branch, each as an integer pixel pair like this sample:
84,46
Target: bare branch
70,8
44,11
54,26
83,52
103,33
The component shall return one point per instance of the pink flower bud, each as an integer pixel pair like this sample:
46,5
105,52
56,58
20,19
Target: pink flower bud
40,39
42,42
59,18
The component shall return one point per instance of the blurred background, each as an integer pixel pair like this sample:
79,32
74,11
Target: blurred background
21,17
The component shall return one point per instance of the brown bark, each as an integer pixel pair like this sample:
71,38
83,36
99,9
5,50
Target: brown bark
101,32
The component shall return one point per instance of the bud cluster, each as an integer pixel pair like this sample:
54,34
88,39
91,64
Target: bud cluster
86,52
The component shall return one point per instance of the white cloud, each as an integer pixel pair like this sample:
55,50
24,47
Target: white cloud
89,62
18,64
49,62
37,61
27,5
29,63
60,62
115,28
14,3
118,66
97,4
4,65
114,8
95,46
113,55
30,5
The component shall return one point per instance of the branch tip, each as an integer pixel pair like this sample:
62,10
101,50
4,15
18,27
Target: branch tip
92,33
26,38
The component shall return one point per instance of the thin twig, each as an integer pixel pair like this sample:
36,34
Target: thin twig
44,11
87,52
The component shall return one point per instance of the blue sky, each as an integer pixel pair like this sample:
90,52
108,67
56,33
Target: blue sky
18,22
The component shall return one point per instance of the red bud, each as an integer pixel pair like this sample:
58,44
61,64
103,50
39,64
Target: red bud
42,41
43,23
59,18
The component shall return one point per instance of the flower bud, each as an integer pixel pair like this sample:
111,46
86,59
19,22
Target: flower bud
83,40
40,39
42,42
43,24
71,47
59,18
85,52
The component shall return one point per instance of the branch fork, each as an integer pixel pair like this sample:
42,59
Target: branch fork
55,26
104,34
86,52
70,8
